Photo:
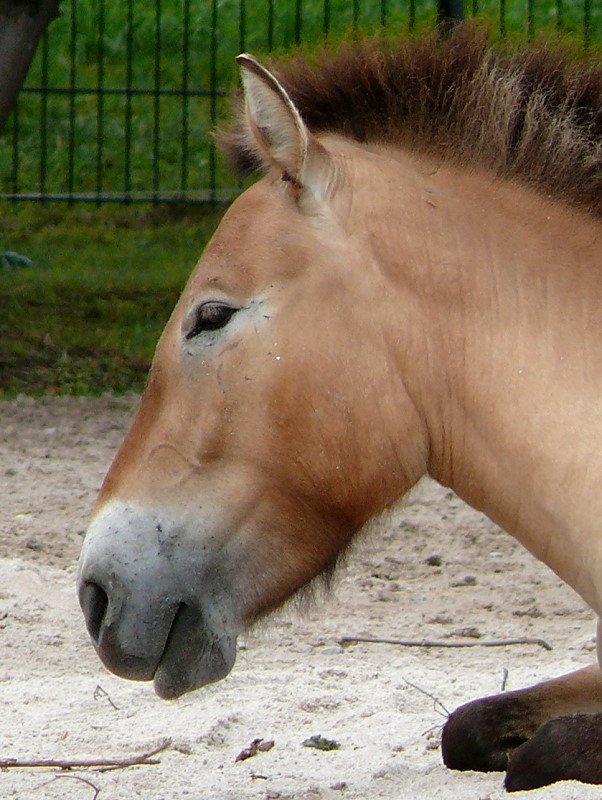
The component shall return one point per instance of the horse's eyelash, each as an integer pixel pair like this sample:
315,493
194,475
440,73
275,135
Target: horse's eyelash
199,327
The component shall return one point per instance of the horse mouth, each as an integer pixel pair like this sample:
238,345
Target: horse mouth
198,646
196,653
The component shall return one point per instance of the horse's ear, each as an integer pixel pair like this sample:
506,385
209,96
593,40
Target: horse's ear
276,127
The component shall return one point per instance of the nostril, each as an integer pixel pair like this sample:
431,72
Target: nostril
94,603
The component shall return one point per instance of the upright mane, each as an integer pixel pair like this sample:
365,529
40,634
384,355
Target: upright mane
534,115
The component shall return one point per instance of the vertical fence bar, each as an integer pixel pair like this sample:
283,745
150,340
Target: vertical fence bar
44,115
15,151
213,97
587,23
326,19
530,19
242,26
270,25
356,14
185,72
412,16
383,13
72,80
157,102
502,17
298,21
127,168
559,15
100,82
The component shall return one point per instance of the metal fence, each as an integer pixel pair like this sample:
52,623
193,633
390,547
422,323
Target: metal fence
122,97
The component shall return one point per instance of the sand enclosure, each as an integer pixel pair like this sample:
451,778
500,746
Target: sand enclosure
437,571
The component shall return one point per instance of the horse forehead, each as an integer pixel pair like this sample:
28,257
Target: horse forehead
260,214
262,232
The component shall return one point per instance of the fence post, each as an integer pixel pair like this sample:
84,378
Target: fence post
22,25
450,11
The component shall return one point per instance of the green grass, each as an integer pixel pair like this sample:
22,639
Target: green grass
86,316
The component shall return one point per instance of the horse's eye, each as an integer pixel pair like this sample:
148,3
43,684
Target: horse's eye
210,317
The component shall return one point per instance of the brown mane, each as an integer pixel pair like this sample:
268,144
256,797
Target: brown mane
534,115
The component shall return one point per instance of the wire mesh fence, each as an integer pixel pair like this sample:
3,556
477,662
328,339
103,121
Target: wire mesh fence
122,97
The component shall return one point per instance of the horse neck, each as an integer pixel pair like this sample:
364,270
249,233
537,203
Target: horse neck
510,373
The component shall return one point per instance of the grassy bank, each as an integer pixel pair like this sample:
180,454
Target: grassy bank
85,316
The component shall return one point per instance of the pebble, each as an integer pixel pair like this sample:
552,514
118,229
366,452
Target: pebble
468,580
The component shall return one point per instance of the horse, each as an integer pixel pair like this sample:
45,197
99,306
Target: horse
411,287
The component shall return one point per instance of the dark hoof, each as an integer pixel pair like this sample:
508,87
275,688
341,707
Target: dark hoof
566,748
481,735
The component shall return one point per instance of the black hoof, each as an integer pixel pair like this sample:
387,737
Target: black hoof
566,748
481,735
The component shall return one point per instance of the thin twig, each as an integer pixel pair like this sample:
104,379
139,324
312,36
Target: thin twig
100,692
437,704
73,778
504,680
76,763
348,640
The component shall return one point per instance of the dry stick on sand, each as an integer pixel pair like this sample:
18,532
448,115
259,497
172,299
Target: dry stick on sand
347,640
75,778
111,763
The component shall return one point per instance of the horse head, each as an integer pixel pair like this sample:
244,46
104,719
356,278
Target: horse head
276,420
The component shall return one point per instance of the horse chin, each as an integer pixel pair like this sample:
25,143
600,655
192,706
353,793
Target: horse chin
196,653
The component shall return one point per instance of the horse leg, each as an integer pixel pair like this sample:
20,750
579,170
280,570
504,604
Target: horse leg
519,731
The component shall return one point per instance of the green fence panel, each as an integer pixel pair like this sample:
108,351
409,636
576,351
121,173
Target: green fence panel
121,99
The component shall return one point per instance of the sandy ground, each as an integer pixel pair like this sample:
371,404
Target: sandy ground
292,680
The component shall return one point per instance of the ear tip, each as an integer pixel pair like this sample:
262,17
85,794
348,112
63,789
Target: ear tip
250,65
246,60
